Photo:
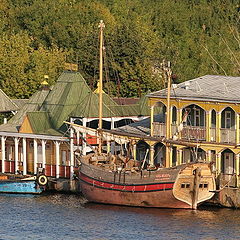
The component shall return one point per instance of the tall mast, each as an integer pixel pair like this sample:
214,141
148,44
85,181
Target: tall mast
168,119
100,83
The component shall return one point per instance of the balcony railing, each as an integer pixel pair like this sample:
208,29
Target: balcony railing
159,129
190,132
228,135
195,133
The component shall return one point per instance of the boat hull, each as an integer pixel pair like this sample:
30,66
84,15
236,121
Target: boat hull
22,187
184,186
155,195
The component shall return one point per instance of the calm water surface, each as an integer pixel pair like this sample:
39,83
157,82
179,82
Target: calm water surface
65,217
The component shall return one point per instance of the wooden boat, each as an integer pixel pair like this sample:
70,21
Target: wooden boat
29,185
111,182
184,186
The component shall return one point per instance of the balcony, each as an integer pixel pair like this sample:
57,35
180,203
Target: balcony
195,133
228,135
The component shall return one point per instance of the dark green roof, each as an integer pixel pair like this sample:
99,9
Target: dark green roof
70,97
41,124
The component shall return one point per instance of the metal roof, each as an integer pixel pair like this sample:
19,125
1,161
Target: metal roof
206,88
70,96
6,104
141,127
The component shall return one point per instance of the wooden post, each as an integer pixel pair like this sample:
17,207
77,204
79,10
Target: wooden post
179,156
84,144
168,124
151,162
152,120
135,151
16,141
101,26
237,168
43,154
179,120
24,142
218,163
237,129
57,145
218,127
209,156
197,178
3,149
208,126
35,158
71,150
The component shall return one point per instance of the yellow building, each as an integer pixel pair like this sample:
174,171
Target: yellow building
204,122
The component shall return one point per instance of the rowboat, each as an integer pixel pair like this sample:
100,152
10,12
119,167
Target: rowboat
29,185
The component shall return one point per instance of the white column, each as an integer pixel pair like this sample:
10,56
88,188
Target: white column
151,162
71,151
84,144
112,123
237,168
57,144
3,153
16,141
43,154
78,138
35,159
24,141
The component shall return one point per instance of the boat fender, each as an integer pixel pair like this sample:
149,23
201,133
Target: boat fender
42,180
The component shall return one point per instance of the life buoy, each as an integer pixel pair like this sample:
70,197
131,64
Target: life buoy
42,180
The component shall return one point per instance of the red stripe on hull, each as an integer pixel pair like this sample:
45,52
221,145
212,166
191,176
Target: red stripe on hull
156,195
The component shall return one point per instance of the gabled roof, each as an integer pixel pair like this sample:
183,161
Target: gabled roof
6,104
41,124
206,88
70,96
33,104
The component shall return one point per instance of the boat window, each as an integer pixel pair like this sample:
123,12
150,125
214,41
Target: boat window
185,185
203,185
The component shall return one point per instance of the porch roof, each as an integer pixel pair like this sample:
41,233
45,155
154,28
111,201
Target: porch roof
141,127
206,88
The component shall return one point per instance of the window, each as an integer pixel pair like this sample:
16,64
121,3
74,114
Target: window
196,117
185,185
228,119
203,185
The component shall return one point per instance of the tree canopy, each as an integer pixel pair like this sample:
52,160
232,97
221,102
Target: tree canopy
199,37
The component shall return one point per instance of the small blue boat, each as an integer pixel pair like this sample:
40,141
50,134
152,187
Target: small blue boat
30,185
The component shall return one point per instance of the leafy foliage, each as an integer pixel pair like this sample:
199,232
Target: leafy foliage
199,37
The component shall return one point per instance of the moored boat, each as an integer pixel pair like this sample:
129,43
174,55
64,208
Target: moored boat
29,185
184,186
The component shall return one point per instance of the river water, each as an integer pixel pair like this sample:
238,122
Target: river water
59,216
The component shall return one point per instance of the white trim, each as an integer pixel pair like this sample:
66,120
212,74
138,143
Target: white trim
37,136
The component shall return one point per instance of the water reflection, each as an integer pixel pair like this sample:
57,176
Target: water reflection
59,216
